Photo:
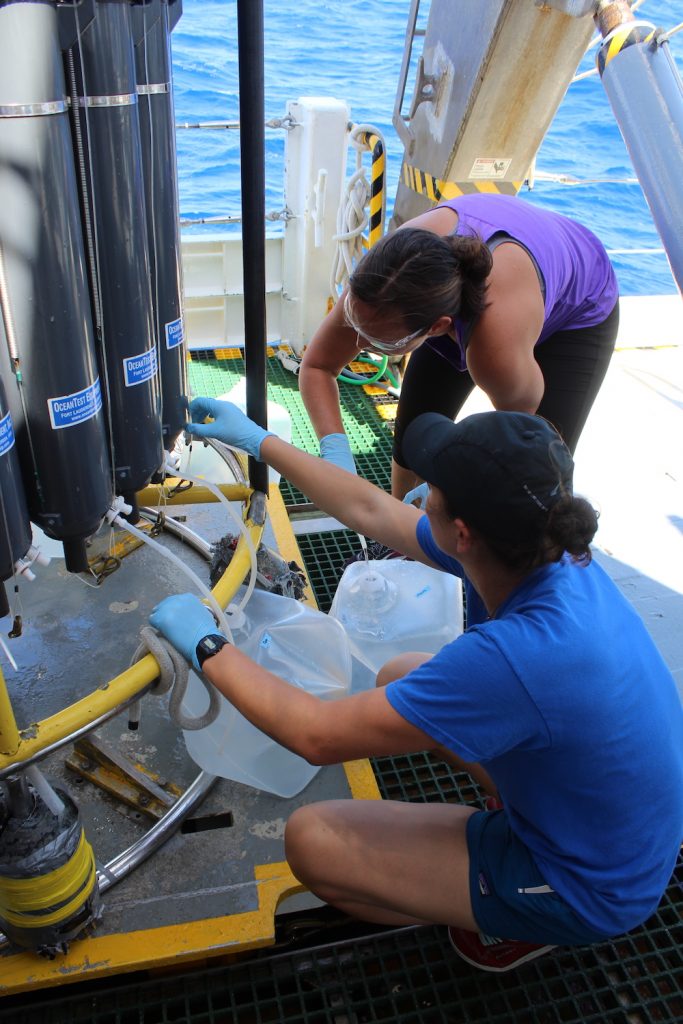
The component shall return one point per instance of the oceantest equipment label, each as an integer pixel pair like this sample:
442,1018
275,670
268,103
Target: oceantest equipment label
6,434
138,369
70,410
174,333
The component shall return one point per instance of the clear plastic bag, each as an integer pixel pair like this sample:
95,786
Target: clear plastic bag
303,646
391,606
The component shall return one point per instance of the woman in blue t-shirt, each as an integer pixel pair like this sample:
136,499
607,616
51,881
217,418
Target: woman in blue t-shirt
555,698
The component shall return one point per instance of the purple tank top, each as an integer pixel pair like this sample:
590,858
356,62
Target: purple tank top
579,283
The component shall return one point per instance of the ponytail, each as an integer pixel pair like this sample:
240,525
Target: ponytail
569,528
572,524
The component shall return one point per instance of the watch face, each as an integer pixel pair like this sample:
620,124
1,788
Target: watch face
208,646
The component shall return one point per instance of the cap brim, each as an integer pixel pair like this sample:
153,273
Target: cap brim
423,441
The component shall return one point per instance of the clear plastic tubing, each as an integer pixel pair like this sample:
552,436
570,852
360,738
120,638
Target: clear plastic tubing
201,482
166,553
44,790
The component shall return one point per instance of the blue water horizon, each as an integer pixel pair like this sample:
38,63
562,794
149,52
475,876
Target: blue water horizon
314,50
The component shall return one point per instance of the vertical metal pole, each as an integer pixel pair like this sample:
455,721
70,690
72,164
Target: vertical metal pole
252,153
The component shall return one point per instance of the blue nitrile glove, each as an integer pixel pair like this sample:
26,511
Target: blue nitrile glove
184,621
417,495
230,425
335,448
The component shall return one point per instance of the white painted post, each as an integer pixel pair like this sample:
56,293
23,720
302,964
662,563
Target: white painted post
315,170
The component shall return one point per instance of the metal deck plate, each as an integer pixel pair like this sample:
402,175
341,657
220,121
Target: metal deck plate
216,884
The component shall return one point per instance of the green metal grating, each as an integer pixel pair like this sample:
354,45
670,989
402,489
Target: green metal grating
324,556
406,976
370,436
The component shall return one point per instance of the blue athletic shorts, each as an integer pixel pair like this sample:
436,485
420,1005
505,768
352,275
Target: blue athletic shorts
510,898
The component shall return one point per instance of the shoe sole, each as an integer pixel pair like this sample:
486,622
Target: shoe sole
502,970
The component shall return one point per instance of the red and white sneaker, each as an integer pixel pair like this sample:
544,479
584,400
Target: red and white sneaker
491,954
492,803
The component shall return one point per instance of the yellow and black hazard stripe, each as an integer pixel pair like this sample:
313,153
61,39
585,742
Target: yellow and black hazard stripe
436,189
621,38
374,143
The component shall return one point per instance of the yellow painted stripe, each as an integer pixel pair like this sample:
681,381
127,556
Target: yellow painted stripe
285,539
157,947
227,353
449,190
627,35
375,204
431,194
437,189
359,774
387,411
361,780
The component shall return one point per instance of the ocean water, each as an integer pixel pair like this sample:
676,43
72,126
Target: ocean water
352,50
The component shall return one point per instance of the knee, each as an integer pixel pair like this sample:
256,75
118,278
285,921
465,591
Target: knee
304,839
400,665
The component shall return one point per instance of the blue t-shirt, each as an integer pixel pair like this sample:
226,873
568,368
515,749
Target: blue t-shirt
567,703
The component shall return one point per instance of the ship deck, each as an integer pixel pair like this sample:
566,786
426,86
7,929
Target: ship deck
316,966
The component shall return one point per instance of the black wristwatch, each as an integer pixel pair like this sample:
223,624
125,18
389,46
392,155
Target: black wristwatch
208,646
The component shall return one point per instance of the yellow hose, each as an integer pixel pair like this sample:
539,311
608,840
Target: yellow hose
122,689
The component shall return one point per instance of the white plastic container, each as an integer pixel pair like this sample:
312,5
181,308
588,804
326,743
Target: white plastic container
202,460
279,420
301,645
392,606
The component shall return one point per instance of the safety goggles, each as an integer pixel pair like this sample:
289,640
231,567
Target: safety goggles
410,341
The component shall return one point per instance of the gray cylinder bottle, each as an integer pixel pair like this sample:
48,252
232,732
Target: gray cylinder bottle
55,397
110,129
152,23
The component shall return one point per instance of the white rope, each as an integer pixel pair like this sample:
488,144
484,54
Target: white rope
173,676
352,218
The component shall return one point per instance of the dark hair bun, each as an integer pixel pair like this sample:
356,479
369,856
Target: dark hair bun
572,524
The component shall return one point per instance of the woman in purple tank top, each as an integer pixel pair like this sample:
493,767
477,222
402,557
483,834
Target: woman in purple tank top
483,290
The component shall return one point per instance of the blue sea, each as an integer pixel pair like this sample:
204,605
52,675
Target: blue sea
352,50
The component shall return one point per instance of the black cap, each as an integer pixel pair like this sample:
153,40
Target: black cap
501,472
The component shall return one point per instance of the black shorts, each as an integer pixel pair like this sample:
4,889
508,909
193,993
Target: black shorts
573,364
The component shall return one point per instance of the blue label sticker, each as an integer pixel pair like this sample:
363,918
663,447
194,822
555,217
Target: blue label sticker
174,333
138,369
6,434
266,640
70,410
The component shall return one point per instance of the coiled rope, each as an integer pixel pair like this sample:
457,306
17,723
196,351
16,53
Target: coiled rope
173,675
353,218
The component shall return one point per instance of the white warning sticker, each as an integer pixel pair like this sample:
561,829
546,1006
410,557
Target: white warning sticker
490,167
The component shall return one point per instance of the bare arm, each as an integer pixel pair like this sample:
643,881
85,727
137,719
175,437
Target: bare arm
500,356
323,732
357,503
333,345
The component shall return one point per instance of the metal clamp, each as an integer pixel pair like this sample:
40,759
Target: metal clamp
287,122
33,109
286,215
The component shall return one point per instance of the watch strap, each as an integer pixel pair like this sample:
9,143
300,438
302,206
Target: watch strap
208,646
